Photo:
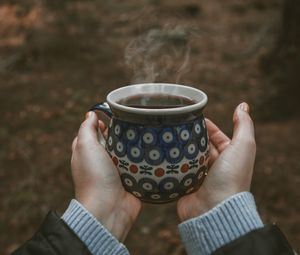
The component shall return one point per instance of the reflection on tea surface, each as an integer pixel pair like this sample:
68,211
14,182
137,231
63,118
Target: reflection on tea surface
156,101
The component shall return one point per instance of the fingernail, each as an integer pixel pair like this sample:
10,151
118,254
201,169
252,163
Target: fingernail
244,107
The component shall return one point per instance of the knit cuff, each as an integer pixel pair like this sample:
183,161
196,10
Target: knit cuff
232,218
95,236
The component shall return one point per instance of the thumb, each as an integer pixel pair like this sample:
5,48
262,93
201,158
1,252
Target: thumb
243,126
88,131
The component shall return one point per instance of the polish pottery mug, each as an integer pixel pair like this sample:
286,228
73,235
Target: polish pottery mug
157,138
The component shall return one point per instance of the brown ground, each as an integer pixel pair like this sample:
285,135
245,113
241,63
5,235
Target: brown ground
57,58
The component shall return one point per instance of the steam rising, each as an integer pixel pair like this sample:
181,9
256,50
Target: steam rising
159,55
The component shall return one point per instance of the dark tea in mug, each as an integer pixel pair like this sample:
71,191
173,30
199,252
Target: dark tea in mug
156,101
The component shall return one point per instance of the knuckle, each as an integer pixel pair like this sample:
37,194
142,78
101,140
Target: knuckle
83,125
249,142
85,142
81,144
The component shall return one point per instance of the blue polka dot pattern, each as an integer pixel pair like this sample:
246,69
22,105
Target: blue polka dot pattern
168,137
197,129
120,147
129,182
135,153
147,185
131,135
110,142
168,184
191,150
162,163
174,154
154,145
202,142
154,155
148,137
118,130
184,135
188,181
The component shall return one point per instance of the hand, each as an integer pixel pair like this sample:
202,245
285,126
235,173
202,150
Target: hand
97,182
231,166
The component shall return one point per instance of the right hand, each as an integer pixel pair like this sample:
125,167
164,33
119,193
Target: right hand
231,170
97,182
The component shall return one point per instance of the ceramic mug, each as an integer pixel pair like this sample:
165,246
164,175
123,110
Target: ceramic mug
161,150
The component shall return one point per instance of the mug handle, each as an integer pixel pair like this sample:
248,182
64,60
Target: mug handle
105,114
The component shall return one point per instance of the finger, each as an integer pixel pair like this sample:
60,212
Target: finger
243,125
216,136
89,128
213,153
74,143
101,125
103,128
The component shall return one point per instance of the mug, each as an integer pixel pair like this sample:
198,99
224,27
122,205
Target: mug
157,138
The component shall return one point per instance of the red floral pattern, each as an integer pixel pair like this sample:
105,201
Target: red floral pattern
184,168
133,169
115,160
159,172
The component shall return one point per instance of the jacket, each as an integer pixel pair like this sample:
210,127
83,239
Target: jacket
54,237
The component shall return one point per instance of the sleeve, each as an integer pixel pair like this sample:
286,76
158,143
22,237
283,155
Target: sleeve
91,232
268,240
53,237
231,219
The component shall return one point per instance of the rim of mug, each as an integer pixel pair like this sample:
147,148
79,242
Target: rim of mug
112,99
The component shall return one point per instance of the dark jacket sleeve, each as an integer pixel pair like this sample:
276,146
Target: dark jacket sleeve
268,240
54,237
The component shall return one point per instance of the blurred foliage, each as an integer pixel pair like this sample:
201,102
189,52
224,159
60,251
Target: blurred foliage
57,58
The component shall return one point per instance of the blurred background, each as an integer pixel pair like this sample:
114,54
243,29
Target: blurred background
57,58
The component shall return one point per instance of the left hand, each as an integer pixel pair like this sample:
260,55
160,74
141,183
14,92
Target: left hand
97,182
232,162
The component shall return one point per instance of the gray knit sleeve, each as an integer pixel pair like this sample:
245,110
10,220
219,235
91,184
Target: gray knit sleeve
229,220
95,236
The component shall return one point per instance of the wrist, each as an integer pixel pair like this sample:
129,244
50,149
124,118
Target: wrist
200,203
90,231
114,219
232,218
